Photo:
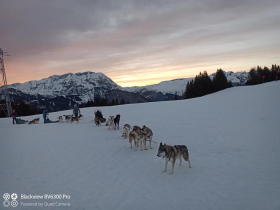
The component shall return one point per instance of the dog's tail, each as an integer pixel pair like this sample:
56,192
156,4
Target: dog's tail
186,155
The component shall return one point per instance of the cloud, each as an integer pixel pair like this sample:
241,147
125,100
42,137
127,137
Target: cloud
130,38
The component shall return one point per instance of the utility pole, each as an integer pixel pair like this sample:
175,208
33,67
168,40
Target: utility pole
5,107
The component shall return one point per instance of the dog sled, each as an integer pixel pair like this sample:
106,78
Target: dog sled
98,114
49,121
21,121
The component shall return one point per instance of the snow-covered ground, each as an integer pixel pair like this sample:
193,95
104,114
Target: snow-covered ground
232,137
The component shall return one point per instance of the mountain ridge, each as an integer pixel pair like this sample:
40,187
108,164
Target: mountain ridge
82,87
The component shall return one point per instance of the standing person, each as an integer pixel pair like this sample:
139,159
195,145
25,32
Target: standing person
45,113
76,111
14,115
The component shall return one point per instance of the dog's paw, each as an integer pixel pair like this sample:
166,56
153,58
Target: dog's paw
170,173
163,171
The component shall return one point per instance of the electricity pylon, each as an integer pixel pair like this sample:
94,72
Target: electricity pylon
5,101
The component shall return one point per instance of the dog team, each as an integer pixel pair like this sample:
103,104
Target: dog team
135,135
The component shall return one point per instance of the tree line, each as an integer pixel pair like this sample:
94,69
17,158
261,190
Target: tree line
202,84
104,102
22,109
258,75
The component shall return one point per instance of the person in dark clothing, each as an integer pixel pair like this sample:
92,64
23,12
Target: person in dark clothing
14,115
45,116
76,111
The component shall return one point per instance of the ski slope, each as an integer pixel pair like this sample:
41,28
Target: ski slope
232,137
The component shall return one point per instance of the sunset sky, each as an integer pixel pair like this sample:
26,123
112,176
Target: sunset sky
137,42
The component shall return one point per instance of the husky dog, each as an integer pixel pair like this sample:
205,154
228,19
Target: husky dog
172,153
111,122
97,121
67,117
35,121
73,118
137,129
80,116
117,121
126,131
60,119
133,135
149,136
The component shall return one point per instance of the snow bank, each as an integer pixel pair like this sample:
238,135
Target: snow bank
232,137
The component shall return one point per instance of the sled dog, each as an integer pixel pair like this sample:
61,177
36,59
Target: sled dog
137,129
60,119
80,116
97,121
111,122
137,138
148,136
171,153
35,121
126,130
73,118
67,117
117,121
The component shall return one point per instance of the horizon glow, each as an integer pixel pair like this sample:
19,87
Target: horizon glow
137,43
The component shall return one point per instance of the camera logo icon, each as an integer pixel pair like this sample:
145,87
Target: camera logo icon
14,203
14,196
6,196
7,203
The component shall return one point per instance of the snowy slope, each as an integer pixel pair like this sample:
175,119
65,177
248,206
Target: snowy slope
232,137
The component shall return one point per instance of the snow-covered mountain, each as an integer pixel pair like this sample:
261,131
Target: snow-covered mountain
179,85
85,85
237,78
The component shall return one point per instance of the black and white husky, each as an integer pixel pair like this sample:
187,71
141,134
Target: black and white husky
60,119
67,118
110,122
171,153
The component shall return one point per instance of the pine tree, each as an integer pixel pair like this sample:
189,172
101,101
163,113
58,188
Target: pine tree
220,80
252,80
103,102
175,96
113,103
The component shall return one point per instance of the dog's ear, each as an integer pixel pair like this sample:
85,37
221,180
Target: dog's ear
160,143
